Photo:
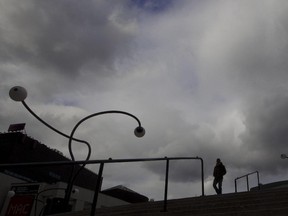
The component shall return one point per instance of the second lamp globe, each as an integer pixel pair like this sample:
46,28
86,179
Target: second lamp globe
139,131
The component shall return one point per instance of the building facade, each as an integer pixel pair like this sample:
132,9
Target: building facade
24,191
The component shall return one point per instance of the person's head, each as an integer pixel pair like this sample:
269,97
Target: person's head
218,160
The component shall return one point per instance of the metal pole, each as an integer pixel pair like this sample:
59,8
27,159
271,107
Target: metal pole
258,180
235,181
97,190
68,192
202,175
247,182
166,185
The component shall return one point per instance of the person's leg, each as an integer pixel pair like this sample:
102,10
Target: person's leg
220,185
215,185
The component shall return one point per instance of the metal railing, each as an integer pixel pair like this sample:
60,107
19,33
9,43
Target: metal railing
247,180
101,168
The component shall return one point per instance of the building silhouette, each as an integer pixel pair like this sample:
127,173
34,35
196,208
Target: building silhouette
44,187
17,147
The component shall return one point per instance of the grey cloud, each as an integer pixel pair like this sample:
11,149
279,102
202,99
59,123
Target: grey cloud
244,49
207,78
66,37
240,58
266,133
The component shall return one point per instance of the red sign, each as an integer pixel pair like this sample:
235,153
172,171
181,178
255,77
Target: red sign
20,205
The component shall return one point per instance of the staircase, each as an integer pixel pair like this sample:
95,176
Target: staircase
272,202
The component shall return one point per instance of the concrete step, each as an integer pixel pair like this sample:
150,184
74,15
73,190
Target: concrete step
264,202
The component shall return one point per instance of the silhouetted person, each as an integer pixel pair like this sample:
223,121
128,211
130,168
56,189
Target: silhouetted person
219,172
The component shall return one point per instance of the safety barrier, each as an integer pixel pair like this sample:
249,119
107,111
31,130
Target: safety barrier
247,180
101,167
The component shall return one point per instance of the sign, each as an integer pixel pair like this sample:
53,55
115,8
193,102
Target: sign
20,205
26,189
16,127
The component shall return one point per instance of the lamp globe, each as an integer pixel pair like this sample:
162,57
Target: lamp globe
139,131
18,93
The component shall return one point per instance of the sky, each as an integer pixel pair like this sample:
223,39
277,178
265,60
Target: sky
206,78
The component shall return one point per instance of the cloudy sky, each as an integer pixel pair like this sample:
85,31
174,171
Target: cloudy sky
206,78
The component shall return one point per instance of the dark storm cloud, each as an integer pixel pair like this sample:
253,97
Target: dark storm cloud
65,36
266,135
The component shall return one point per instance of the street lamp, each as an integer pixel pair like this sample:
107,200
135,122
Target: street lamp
283,156
19,93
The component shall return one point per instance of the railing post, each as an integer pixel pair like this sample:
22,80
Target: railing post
166,185
247,179
235,182
258,180
202,175
97,189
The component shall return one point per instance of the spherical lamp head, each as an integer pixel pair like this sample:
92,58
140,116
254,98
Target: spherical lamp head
18,93
283,156
139,131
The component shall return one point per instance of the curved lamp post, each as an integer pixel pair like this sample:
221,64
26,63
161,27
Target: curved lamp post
19,93
139,132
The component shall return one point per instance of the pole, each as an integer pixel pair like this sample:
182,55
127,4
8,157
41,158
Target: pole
97,190
202,175
166,185
258,180
247,182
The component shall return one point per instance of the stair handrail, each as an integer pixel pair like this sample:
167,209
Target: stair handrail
247,180
100,172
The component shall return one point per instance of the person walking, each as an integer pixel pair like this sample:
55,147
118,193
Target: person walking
219,172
